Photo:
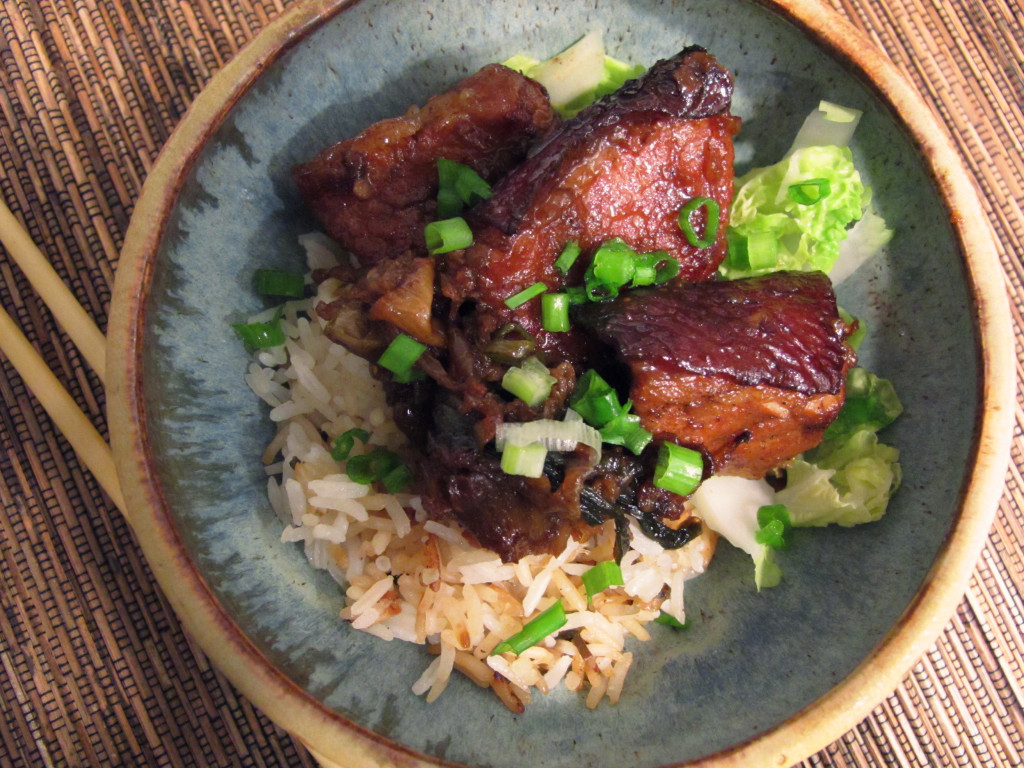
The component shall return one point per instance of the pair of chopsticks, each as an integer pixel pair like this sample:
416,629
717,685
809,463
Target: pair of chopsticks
90,446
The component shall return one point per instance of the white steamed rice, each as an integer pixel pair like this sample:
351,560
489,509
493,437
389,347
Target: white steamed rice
410,578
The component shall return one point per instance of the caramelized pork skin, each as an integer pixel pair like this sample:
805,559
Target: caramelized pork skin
750,371
621,168
375,192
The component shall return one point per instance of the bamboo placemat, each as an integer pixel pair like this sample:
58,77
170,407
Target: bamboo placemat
96,670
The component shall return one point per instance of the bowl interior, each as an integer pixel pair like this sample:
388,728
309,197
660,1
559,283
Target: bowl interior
748,660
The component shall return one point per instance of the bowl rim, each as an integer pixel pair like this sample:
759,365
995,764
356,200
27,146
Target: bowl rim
333,739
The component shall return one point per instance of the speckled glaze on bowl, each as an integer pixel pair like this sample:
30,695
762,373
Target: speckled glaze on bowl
759,679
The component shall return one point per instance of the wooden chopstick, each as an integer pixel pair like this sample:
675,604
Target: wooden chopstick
75,321
91,448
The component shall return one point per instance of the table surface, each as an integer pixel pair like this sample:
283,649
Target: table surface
96,670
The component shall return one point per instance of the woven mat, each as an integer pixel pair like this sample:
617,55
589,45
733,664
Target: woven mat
96,670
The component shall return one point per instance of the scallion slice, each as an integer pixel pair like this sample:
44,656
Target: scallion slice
567,257
711,215
511,344
645,273
545,623
612,267
518,299
346,441
595,400
577,294
773,522
378,464
401,355
600,577
525,460
397,479
679,469
666,270
277,282
554,312
625,430
654,268
459,186
531,382
809,192
448,235
261,335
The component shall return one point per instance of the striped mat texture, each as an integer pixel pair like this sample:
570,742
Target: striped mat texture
96,670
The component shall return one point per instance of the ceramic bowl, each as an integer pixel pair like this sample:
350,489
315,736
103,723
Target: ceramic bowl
759,679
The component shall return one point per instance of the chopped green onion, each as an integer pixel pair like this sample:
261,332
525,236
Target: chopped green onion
531,382
601,576
773,522
577,294
666,270
670,621
756,252
654,268
276,282
504,348
554,312
625,430
679,469
525,460
397,479
261,335
595,400
375,465
545,623
448,235
518,299
645,274
612,267
345,442
449,203
567,257
400,356
645,270
710,224
459,186
809,192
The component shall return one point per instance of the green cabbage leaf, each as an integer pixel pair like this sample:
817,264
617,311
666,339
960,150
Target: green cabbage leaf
849,478
772,231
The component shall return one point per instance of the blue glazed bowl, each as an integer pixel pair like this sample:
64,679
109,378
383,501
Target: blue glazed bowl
759,679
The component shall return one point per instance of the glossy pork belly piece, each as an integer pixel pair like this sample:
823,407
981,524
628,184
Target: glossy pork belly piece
751,371
375,192
621,168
